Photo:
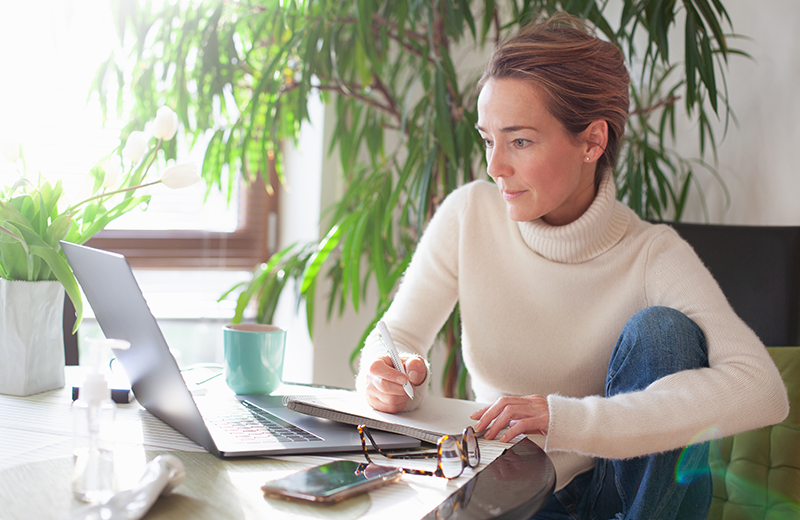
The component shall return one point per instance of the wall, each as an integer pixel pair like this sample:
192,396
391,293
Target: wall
300,206
313,184
758,156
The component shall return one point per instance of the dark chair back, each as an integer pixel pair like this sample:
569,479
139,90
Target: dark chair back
758,268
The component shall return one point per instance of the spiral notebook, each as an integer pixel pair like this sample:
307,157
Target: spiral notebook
435,417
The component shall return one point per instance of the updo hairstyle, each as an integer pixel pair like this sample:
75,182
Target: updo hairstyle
582,77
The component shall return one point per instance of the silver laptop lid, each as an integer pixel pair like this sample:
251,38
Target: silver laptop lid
122,312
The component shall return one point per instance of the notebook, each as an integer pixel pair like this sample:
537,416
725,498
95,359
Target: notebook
227,426
435,417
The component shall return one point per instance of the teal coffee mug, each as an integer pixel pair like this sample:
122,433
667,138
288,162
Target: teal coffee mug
253,357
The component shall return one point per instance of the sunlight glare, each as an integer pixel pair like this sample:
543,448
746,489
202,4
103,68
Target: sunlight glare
51,50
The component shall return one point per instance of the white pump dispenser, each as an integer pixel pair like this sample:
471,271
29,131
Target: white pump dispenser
93,414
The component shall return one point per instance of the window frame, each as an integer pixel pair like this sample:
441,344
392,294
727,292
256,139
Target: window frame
244,248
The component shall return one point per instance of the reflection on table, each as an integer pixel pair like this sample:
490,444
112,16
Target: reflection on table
516,485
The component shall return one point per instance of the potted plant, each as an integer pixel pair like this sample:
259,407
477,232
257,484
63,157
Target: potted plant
404,110
34,273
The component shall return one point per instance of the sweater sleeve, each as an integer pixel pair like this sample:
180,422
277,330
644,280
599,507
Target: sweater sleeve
741,390
426,296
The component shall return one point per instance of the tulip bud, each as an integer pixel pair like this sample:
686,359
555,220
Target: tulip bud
135,147
165,124
180,175
112,172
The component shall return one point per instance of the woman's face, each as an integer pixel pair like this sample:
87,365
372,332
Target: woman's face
540,170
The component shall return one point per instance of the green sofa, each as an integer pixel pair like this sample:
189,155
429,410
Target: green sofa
757,473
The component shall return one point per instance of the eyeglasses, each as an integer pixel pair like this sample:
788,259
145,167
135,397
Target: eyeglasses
452,455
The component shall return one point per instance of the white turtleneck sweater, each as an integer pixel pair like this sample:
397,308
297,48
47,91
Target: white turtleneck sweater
543,306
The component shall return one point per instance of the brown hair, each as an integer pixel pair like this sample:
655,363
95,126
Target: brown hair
583,78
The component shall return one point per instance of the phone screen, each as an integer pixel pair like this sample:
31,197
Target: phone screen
331,482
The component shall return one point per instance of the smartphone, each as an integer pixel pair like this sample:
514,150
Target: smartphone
331,482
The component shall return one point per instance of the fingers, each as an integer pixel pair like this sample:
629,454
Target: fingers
529,414
489,414
524,426
477,415
385,386
382,372
417,371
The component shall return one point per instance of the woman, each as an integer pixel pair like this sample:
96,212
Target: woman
581,323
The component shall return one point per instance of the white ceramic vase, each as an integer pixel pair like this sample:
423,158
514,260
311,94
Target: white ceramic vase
31,337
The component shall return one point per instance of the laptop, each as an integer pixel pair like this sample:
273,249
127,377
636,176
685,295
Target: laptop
217,425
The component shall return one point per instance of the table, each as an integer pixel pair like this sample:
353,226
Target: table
514,486
35,467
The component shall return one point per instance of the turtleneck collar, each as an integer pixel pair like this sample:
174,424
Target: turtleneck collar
592,234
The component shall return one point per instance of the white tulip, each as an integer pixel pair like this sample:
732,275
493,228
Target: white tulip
165,124
10,150
135,147
112,172
181,175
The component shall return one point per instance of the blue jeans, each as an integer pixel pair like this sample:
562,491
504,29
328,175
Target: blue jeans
655,342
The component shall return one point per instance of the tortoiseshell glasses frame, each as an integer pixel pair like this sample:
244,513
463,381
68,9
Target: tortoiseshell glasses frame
452,454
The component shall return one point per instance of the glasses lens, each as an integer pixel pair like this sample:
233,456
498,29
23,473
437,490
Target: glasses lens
451,461
473,452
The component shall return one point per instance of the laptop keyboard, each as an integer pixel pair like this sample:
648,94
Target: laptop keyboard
251,424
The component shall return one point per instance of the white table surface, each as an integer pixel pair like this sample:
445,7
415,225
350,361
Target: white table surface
36,462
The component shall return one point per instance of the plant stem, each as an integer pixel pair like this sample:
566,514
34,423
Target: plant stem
646,110
109,194
364,99
123,190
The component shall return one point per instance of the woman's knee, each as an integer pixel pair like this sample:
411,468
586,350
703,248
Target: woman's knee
655,342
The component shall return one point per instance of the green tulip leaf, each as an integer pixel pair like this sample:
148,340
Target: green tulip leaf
63,273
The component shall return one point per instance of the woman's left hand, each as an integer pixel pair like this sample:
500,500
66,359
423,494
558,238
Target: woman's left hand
527,414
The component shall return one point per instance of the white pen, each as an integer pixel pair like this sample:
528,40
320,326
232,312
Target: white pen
386,339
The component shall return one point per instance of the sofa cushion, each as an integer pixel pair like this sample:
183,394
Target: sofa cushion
757,473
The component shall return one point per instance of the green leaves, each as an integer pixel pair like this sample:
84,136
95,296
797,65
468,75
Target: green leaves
706,50
30,230
269,281
404,94
244,71
32,225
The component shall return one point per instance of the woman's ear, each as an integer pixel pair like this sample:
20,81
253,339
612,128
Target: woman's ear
596,138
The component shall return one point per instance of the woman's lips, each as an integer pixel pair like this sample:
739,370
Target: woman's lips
509,195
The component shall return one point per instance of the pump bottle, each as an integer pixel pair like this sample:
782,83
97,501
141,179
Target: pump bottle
93,448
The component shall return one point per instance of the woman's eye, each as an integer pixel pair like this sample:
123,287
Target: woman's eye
519,143
486,143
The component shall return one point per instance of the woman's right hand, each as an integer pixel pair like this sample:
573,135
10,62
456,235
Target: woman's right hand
385,391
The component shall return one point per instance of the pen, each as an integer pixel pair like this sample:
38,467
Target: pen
386,339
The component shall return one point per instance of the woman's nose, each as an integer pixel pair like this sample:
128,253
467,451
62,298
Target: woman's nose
497,164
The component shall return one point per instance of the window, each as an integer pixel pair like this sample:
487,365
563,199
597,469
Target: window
43,107
251,243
